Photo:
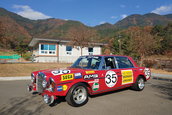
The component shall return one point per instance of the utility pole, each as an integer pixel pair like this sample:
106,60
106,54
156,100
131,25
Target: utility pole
120,48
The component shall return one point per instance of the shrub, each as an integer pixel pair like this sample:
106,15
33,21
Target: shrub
27,56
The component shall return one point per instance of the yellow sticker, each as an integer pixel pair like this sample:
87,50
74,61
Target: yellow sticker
67,77
89,72
64,87
127,76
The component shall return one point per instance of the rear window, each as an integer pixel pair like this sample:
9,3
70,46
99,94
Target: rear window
124,62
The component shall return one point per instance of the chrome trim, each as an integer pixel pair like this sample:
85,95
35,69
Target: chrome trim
33,78
40,78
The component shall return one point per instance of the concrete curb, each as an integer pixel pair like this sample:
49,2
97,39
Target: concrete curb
14,78
161,76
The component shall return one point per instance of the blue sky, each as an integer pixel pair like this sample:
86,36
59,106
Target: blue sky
89,12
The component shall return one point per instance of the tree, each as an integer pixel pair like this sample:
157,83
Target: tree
3,39
81,37
142,41
165,34
22,48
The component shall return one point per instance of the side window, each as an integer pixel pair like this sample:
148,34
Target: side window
110,63
124,62
84,62
95,63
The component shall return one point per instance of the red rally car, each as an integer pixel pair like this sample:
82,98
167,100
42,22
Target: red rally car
89,75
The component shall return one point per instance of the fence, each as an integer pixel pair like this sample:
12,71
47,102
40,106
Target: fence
9,59
15,56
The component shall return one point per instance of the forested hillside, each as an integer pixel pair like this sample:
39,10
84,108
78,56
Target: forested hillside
16,31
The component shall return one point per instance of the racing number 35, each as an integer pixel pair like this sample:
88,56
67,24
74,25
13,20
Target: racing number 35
111,78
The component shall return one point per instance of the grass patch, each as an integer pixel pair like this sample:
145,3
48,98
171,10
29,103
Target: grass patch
8,70
7,52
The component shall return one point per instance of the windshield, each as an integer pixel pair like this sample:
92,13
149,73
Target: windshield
87,62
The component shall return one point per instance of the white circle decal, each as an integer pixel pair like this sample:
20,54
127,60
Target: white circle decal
111,78
147,73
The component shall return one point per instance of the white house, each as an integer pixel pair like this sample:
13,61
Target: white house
54,50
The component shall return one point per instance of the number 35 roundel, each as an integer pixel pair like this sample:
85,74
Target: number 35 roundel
111,78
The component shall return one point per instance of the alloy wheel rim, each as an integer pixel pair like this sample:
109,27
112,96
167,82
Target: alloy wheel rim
141,83
79,95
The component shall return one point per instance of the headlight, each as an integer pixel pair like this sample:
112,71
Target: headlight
32,78
44,84
52,85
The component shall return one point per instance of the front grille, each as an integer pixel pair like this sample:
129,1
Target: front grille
39,80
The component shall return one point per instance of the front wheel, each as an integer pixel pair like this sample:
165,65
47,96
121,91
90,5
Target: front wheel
139,84
77,95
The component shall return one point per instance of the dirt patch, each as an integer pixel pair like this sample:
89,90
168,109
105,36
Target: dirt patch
160,71
8,70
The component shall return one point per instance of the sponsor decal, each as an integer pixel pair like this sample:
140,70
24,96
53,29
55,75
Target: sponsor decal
147,73
95,86
59,88
90,76
62,88
59,72
78,75
89,72
127,76
67,77
95,81
111,78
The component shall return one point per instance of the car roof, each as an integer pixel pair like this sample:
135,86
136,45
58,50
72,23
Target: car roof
108,55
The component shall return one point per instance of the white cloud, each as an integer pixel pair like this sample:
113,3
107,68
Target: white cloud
163,9
27,12
123,16
113,17
102,22
122,6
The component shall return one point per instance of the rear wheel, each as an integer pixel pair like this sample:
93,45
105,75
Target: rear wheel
77,95
139,84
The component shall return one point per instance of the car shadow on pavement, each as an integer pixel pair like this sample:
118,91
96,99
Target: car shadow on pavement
58,101
111,92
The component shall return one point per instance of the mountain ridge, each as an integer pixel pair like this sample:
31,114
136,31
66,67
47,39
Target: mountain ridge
25,28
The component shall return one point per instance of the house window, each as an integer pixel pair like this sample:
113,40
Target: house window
69,50
47,49
90,51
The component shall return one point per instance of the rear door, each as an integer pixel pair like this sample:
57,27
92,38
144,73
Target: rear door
127,70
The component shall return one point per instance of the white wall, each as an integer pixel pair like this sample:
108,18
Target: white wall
69,58
75,53
47,59
63,56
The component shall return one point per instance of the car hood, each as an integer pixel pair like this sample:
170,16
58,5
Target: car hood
57,72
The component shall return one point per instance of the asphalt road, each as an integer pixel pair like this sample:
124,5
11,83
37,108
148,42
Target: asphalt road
155,99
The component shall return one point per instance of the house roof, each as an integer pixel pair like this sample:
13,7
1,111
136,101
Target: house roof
35,41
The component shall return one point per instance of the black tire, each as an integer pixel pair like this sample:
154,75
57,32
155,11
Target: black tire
78,95
139,84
